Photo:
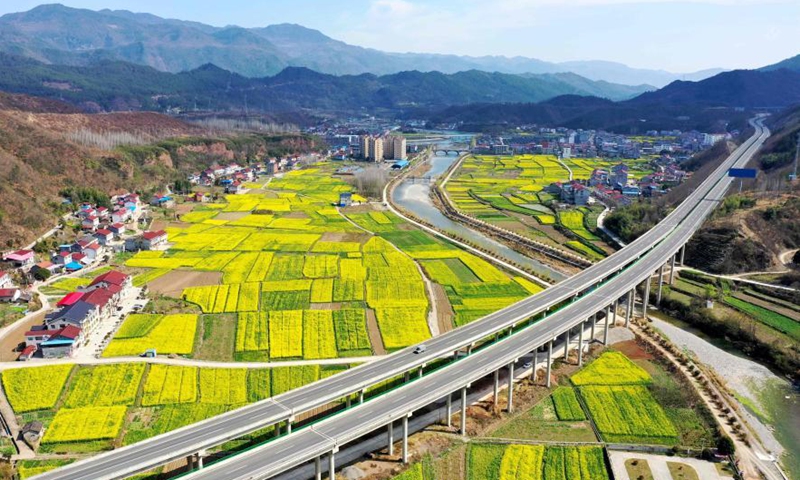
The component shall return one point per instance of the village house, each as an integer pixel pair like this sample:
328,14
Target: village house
110,279
39,334
9,295
162,200
62,343
598,177
147,241
90,222
573,193
120,215
5,280
118,229
234,188
48,266
104,236
620,175
20,258
63,257
80,314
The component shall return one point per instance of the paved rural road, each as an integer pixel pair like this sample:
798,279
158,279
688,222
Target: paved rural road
662,241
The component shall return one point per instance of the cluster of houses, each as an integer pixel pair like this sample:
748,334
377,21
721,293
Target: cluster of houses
76,315
591,143
94,217
615,185
233,175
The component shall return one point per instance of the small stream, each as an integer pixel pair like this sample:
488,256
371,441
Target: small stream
414,196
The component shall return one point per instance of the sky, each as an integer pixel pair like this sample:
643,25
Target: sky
678,36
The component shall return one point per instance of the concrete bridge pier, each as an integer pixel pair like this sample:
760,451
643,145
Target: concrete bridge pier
317,469
566,344
496,390
464,410
332,465
510,406
629,307
449,410
390,433
549,361
405,438
646,298
660,284
605,325
593,320
672,270
533,364
683,253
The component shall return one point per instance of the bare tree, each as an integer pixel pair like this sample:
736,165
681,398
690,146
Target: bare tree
370,181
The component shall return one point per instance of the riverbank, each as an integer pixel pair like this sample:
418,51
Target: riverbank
768,402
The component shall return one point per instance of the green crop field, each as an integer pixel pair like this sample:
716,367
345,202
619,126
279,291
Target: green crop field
767,317
501,189
566,405
628,413
536,462
611,368
172,334
104,385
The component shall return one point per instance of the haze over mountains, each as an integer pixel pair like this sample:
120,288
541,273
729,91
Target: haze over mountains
61,35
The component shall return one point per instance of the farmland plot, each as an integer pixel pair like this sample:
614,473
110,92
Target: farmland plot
223,386
173,334
85,424
168,384
29,389
105,385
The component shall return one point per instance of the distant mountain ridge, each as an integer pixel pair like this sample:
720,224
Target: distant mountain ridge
109,85
57,34
715,104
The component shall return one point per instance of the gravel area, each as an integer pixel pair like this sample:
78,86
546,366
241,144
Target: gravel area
741,375
618,334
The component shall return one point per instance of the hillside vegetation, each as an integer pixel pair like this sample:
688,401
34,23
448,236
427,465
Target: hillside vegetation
42,153
746,234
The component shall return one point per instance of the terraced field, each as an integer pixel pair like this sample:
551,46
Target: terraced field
510,192
293,255
87,409
536,462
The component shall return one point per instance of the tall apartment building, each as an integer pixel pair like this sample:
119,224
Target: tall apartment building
399,147
363,142
375,149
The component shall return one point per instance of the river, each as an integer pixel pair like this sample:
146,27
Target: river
771,402
414,196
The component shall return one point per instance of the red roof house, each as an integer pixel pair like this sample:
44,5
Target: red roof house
69,299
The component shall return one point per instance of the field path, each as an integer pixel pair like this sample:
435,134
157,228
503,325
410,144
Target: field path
561,162
187,362
740,279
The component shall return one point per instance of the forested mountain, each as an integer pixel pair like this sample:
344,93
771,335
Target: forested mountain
56,34
113,86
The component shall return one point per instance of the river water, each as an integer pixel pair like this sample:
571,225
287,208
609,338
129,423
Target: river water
771,402
414,196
